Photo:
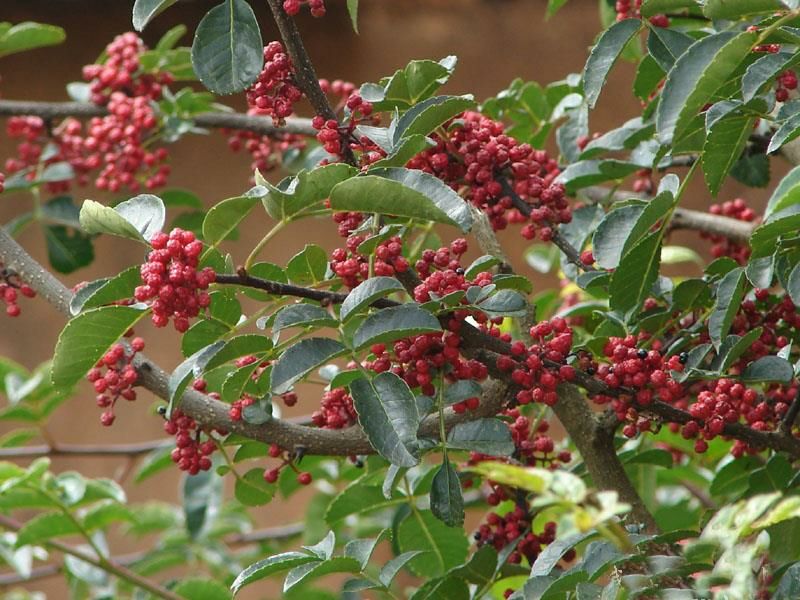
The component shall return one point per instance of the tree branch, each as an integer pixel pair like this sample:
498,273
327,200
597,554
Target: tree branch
218,120
683,218
304,74
285,289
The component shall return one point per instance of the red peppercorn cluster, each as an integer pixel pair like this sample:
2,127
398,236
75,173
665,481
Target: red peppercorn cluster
117,380
122,72
275,91
116,145
643,184
192,453
347,222
486,165
266,152
357,111
353,267
626,10
499,531
171,279
728,402
645,372
529,366
335,410
292,7
442,274
534,448
2,182
33,136
785,82
418,359
119,143
11,287
722,246
271,475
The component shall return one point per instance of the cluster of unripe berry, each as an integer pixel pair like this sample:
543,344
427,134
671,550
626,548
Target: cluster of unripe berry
171,280
491,168
292,7
722,246
501,530
632,10
122,72
192,453
11,288
118,378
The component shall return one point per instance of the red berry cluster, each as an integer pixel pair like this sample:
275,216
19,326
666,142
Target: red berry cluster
646,373
34,137
626,10
540,367
119,142
271,475
191,453
486,166
735,209
643,184
335,410
292,7
534,448
727,402
499,531
785,82
171,279
418,359
10,290
357,111
2,182
122,72
118,379
275,91
769,48
117,145
347,222
267,152
353,267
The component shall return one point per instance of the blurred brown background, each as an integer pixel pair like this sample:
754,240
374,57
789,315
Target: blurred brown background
495,41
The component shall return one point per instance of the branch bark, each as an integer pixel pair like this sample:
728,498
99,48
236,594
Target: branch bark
215,120
305,75
683,218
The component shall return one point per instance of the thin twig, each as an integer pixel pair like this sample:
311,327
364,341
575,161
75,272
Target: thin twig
217,120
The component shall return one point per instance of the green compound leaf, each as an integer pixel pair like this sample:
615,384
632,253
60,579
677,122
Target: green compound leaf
394,323
302,358
146,10
447,502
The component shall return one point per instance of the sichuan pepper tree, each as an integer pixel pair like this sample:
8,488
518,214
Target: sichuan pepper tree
441,376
